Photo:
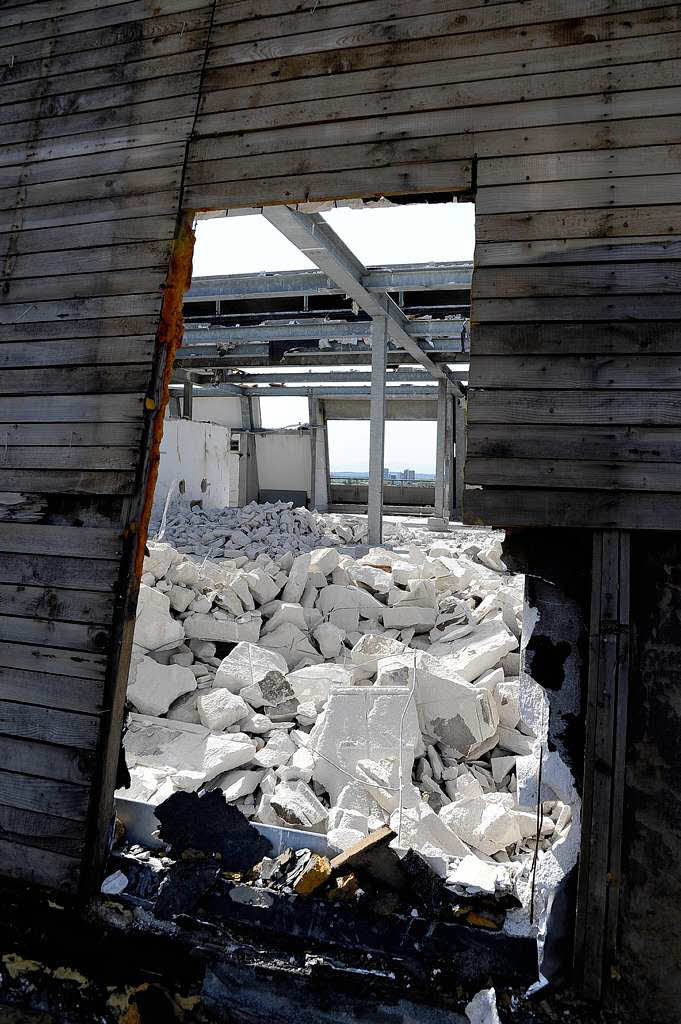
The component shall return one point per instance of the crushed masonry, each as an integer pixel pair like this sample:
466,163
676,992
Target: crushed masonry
353,697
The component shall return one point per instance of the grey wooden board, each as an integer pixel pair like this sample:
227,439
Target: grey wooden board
454,176
40,830
70,408
46,759
529,441
647,190
505,507
84,236
140,255
44,831
584,372
576,339
224,88
598,407
54,660
102,352
68,693
70,435
102,330
576,250
97,285
81,541
611,163
598,279
80,380
53,796
54,632
68,458
26,863
601,222
48,725
476,20
51,215
606,307
76,573
67,481
578,472
55,603
538,36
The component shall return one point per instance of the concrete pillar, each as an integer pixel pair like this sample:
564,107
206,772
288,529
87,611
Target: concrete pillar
248,463
379,348
460,446
319,495
187,400
443,458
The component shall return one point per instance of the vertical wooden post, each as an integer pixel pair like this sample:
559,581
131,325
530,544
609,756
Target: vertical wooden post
460,450
379,349
441,448
604,761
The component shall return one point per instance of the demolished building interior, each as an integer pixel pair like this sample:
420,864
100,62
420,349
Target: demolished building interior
276,745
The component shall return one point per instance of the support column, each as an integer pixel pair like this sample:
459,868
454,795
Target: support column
187,400
248,463
460,450
443,456
604,762
379,350
318,470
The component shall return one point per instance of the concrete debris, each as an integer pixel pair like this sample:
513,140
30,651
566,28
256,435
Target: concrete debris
482,1008
357,697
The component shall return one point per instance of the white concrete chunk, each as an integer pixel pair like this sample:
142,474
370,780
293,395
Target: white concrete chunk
155,629
218,709
247,663
152,688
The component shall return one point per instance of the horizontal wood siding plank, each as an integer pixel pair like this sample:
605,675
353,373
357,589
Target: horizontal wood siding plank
495,506
577,372
47,759
141,256
67,408
26,863
576,250
480,19
47,725
459,97
155,230
76,573
587,33
44,689
53,660
648,190
574,473
54,632
588,279
70,436
614,163
530,441
223,90
60,481
53,796
79,541
587,307
594,222
514,405
448,176
96,286
44,831
105,352
51,457
576,339
83,380
55,603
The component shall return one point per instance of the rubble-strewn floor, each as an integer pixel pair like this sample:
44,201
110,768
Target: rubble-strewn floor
344,695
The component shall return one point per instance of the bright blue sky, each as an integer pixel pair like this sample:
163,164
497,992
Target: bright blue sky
400,234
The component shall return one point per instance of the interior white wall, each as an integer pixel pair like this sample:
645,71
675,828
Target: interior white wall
225,411
198,453
284,461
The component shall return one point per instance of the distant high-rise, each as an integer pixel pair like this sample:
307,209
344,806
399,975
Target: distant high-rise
409,475
386,473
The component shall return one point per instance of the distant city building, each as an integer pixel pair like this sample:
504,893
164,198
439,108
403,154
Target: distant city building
409,475
386,473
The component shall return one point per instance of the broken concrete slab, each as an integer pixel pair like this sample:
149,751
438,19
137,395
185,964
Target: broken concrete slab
152,688
155,628
218,709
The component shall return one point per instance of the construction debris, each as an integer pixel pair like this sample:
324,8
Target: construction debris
373,700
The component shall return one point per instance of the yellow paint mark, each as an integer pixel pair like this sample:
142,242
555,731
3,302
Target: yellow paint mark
16,965
149,403
68,974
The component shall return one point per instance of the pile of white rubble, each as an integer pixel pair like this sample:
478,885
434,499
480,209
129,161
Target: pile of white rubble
337,696
272,528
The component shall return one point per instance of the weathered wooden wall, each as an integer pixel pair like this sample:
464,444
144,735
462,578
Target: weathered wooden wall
96,104
116,116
